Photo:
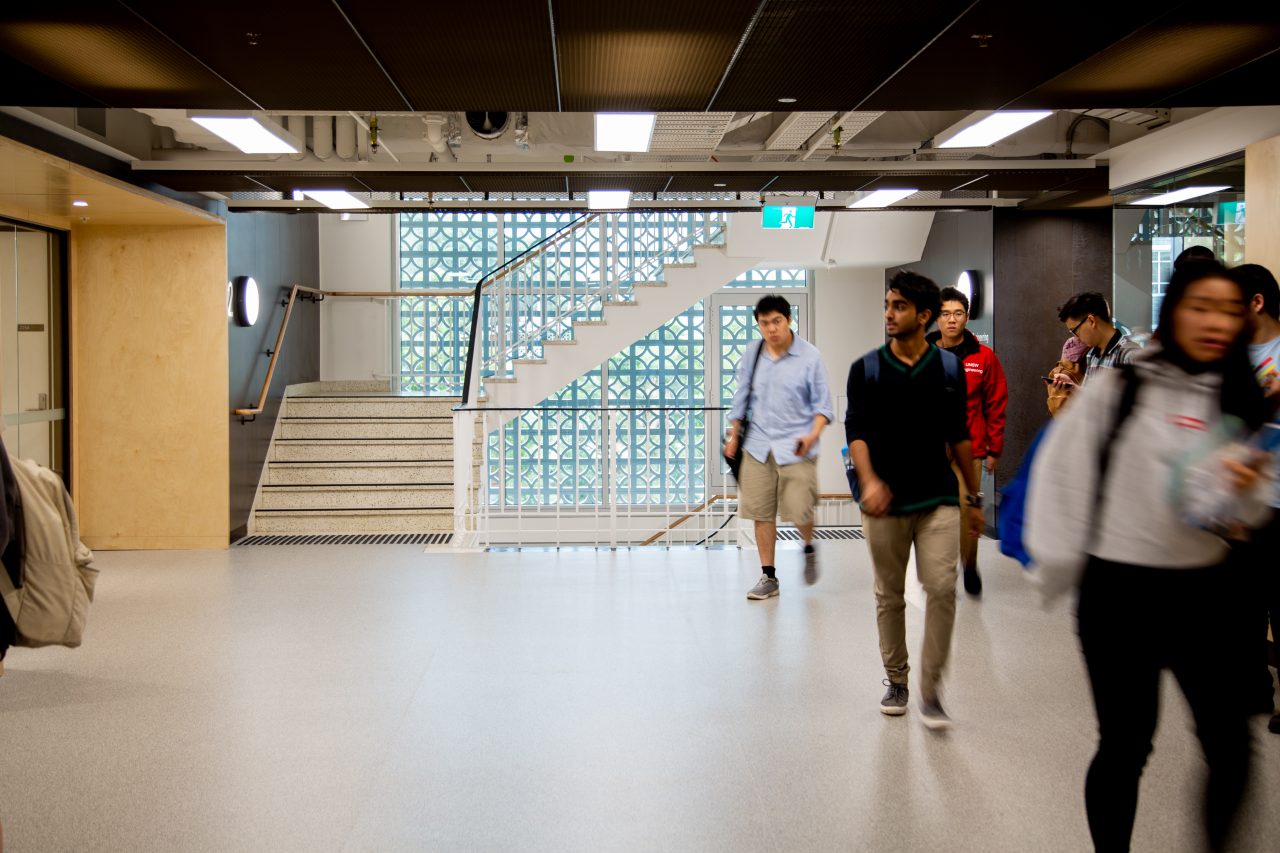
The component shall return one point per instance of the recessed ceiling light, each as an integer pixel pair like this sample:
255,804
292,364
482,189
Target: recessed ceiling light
993,128
336,199
1179,195
880,198
624,131
608,199
786,100
721,185
250,134
79,203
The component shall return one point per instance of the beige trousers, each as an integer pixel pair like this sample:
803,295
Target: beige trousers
968,544
937,542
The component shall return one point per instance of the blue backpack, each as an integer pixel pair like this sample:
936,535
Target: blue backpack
1011,515
871,367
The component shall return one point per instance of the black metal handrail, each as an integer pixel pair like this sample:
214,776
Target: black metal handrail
494,275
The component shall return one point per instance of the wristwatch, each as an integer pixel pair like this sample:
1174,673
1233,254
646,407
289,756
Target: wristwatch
975,501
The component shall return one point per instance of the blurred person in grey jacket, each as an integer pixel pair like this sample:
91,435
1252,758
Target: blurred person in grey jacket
1155,591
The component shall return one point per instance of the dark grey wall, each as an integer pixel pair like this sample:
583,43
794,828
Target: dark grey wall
958,242
278,250
1041,259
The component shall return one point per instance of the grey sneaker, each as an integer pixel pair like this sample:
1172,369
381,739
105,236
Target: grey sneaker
810,565
933,716
894,702
766,587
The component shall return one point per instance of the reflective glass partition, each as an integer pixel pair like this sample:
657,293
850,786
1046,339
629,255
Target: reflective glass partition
32,337
1149,235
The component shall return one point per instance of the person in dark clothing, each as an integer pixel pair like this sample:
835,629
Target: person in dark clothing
1157,591
900,425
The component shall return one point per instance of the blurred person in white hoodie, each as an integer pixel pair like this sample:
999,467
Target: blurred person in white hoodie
1155,592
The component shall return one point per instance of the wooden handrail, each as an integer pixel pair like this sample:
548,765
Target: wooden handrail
708,502
253,411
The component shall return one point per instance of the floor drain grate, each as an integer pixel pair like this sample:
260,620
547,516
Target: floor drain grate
350,539
793,535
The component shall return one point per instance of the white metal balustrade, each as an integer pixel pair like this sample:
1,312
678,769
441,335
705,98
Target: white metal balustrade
597,476
600,261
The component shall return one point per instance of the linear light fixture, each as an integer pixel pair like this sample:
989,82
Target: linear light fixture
336,199
1179,195
993,128
608,199
252,134
624,131
880,198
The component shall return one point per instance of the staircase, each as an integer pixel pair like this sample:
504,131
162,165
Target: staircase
358,461
352,457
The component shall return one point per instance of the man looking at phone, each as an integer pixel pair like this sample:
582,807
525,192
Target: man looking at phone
988,396
789,405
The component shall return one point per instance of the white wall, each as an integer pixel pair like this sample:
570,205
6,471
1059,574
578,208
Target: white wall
354,333
848,320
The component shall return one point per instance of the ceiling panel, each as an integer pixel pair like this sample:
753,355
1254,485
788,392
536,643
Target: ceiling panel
644,183
286,54
202,182
750,182
656,55
402,182
108,53
463,56
287,181
1168,57
1251,84
516,183
984,61
829,54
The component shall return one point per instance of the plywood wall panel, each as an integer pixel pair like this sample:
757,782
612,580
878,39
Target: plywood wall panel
1262,197
149,386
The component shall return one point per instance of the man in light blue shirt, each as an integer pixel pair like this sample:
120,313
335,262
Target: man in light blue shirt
789,405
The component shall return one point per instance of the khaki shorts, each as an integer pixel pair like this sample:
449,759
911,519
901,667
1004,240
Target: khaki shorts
769,490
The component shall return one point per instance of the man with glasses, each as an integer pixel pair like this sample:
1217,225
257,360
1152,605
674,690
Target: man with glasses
1087,317
988,394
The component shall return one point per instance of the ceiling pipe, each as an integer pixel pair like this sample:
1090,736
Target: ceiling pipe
322,136
344,137
297,125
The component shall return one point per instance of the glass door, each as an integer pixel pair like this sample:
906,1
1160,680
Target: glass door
32,330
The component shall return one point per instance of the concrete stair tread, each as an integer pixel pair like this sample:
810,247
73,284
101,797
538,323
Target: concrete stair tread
371,395
355,487
359,511
371,440
376,419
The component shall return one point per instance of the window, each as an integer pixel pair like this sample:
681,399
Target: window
552,455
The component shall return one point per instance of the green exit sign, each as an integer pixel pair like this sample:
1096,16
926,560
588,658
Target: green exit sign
787,216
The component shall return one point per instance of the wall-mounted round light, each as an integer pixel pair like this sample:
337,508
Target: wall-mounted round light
970,284
244,300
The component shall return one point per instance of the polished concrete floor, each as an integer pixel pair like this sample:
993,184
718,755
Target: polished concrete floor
382,699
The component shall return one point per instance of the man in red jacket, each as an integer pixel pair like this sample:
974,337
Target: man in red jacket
988,396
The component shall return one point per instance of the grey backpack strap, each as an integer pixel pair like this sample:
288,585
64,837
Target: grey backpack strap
871,366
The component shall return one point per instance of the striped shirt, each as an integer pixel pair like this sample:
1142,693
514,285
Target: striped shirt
1119,350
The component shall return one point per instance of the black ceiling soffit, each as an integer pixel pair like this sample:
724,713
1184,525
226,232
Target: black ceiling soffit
584,55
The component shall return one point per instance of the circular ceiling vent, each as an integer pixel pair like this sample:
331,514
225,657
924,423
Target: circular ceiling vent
488,125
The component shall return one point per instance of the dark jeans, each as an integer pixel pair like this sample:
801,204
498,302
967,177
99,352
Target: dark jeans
1135,622
1261,561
